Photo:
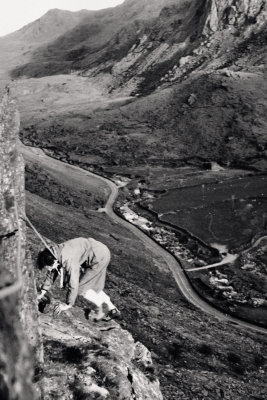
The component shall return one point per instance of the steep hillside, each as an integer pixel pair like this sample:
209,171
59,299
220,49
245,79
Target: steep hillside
215,117
16,48
141,32
42,356
54,23
197,66
131,43
150,84
194,354
93,29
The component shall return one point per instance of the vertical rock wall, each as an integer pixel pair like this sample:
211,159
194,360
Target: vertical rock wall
17,303
223,14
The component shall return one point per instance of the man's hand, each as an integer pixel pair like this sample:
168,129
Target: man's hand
41,295
61,307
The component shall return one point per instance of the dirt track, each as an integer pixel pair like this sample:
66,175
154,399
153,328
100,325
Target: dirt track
78,175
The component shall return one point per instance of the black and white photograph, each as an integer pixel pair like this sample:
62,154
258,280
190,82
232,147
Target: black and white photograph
133,200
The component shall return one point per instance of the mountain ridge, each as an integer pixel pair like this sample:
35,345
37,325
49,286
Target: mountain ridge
16,48
48,20
173,31
181,49
144,101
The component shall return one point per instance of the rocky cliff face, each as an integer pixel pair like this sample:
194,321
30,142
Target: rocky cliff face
235,12
17,293
194,71
185,37
80,359
202,63
139,49
85,360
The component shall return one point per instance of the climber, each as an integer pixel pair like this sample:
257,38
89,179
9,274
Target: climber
83,262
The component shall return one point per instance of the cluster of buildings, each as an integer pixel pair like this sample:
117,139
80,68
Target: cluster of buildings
168,239
165,237
220,282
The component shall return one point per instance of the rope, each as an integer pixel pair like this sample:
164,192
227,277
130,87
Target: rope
15,287
39,236
47,246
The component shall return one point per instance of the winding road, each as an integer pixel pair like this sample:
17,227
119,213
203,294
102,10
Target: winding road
255,244
229,258
78,175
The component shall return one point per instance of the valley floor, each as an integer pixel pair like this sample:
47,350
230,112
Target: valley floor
176,212
196,354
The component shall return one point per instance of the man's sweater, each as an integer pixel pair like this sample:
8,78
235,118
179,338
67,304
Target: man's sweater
71,255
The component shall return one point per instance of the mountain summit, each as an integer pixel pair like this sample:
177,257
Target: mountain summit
167,98
51,25
193,71
17,47
140,40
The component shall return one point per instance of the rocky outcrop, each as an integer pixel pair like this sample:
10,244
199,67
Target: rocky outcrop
100,361
136,49
212,19
82,360
17,307
182,38
236,13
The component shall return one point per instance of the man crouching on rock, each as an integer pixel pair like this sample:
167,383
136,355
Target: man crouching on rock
83,262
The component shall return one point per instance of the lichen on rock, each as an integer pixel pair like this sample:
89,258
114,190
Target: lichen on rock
16,358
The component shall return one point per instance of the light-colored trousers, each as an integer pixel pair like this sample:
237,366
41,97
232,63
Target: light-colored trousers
93,282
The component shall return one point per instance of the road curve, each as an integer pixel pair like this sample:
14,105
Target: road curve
76,173
255,244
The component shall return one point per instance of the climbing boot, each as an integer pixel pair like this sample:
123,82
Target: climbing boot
114,314
97,314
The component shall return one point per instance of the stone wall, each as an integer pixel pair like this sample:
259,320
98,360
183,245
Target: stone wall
18,307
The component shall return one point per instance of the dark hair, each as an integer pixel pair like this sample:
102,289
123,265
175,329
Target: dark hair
45,258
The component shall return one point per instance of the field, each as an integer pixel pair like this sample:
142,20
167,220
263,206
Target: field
229,212
248,288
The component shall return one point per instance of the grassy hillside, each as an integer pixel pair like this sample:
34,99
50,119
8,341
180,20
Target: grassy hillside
158,82
162,83
195,355
151,36
211,117
61,37
17,48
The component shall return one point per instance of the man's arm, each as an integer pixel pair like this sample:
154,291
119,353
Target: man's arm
49,280
51,276
73,269
41,295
